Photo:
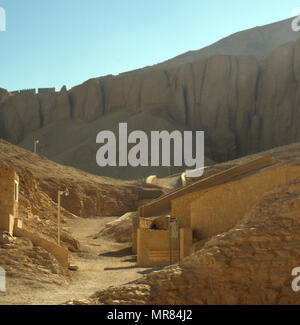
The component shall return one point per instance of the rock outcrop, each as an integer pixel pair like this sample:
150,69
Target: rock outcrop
27,265
119,230
242,91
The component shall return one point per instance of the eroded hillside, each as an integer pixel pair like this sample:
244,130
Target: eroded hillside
242,91
90,195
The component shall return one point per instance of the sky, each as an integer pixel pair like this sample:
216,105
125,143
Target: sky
51,43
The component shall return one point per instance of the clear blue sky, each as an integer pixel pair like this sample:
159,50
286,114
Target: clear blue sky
65,42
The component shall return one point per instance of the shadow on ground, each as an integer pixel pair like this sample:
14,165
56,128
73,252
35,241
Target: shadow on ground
120,253
133,267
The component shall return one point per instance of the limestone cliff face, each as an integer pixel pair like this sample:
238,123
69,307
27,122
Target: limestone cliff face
20,114
53,108
244,103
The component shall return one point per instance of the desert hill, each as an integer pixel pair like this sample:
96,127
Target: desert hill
242,91
90,195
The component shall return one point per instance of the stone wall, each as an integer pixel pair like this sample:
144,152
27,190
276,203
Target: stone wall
153,246
219,208
46,90
9,181
61,253
150,243
33,91
28,91
164,204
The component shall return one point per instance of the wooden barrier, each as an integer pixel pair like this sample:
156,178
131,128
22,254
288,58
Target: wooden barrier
163,204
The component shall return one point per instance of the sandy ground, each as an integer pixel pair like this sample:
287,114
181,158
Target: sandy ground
101,263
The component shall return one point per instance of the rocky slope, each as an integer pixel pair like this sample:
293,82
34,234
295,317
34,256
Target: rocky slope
242,91
119,230
90,195
29,266
249,264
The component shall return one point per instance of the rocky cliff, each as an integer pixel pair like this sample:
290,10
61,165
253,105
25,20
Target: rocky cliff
242,91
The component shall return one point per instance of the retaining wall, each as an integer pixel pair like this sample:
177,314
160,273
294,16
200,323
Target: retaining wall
61,253
220,208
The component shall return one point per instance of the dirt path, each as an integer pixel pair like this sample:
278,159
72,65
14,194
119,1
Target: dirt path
101,263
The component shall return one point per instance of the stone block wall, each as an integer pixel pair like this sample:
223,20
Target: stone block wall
46,90
220,208
9,195
153,248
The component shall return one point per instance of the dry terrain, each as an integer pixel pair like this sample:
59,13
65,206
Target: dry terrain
40,280
249,264
90,195
243,91
32,271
